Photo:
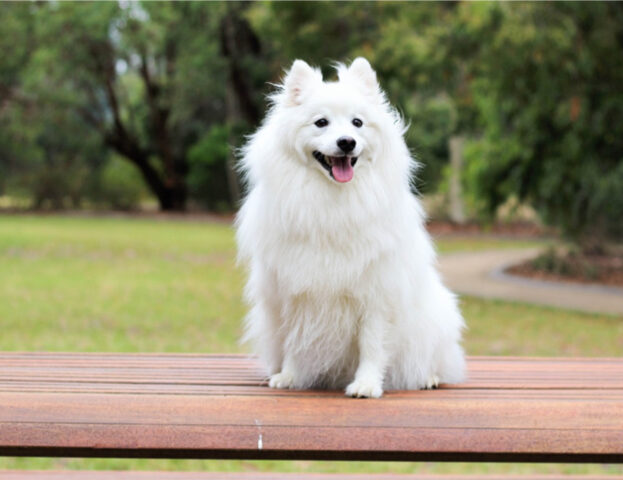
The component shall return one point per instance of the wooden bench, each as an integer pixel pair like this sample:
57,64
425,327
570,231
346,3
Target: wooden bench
218,406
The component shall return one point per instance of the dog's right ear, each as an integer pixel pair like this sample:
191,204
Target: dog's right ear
362,70
298,79
362,75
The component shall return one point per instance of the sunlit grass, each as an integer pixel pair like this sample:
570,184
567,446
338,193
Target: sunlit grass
118,285
12,463
132,285
475,243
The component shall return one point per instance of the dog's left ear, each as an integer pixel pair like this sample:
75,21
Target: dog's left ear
361,72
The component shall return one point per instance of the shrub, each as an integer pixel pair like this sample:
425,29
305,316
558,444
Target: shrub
119,185
207,177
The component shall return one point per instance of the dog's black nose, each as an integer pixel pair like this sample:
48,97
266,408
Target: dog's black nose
346,144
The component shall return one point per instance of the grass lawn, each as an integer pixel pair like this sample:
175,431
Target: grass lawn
474,243
153,285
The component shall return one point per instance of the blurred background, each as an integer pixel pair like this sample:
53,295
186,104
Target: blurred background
139,105
118,128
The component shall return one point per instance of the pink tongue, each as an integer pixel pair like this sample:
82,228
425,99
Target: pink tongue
342,170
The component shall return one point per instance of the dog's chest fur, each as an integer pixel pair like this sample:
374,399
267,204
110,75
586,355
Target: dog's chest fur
331,250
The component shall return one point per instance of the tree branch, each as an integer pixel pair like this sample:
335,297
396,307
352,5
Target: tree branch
174,170
119,138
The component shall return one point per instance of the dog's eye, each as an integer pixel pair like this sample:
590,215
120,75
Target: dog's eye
323,122
357,122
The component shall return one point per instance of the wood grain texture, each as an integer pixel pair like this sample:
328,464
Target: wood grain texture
218,406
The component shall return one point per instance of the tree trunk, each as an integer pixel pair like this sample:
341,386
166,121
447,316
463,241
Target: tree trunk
173,200
237,42
171,195
174,193
457,211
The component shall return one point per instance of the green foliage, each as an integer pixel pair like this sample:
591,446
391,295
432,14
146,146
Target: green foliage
551,104
207,178
146,80
431,124
534,87
119,185
319,32
407,45
56,159
552,261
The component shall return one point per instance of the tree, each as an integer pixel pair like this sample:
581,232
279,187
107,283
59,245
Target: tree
550,101
400,41
239,46
38,143
148,78
15,43
429,54
533,88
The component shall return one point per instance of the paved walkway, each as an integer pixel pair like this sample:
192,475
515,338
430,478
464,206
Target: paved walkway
481,274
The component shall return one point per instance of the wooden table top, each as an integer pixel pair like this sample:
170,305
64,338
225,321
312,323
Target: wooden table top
218,406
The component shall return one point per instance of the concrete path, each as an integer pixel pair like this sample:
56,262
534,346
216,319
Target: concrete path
481,274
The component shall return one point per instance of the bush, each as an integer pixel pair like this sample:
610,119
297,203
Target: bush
431,125
52,187
549,95
207,177
566,264
119,185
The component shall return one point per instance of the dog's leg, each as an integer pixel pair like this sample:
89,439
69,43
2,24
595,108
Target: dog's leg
262,329
372,358
285,378
273,338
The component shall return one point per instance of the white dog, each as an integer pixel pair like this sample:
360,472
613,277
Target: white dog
342,285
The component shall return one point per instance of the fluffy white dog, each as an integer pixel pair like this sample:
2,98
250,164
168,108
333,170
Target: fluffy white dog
342,285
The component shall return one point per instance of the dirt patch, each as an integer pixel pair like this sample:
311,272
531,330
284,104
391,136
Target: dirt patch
603,269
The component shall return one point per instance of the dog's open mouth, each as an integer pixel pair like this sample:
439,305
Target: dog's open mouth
340,168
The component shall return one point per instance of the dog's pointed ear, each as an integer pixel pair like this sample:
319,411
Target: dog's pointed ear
361,72
362,69
299,78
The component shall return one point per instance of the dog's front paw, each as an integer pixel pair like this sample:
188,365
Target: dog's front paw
281,380
364,388
432,382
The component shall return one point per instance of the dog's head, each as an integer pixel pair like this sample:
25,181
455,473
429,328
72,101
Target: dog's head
333,126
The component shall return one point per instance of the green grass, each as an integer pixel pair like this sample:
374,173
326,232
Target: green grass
137,284
475,243
118,285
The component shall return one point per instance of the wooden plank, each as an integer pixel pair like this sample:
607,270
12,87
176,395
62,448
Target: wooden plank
124,475
205,370
202,406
